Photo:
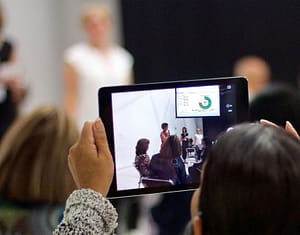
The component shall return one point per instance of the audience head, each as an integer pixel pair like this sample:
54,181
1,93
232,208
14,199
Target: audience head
142,146
251,183
278,103
256,70
97,21
171,148
33,157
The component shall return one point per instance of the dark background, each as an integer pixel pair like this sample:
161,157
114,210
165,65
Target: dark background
183,39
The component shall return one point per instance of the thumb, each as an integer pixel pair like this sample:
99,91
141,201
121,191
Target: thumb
100,136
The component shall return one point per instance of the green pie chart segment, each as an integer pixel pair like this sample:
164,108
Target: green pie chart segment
205,103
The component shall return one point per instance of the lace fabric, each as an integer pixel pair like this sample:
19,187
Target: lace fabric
88,212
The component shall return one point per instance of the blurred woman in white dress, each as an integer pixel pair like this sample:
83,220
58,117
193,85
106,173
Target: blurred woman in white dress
92,64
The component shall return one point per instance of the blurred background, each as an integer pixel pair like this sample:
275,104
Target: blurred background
169,39
41,31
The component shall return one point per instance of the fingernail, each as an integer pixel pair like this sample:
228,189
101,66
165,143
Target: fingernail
98,124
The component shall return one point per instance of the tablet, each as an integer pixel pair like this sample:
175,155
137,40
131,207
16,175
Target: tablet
142,120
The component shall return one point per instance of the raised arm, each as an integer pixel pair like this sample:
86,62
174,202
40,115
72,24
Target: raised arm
90,162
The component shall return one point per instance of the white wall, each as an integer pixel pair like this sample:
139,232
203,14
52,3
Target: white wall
42,29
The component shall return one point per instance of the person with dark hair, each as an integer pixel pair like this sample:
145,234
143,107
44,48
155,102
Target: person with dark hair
184,142
165,133
277,103
250,183
167,164
142,159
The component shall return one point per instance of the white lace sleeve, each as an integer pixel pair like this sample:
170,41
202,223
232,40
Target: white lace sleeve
88,212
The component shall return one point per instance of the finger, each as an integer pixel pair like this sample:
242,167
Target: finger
100,135
73,170
267,123
290,129
86,136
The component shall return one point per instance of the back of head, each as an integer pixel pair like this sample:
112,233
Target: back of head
142,146
33,157
277,103
171,148
251,183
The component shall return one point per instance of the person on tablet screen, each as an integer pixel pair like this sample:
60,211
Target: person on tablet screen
165,133
184,142
142,159
167,164
198,142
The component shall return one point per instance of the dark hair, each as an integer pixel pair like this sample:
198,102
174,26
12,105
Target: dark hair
171,148
168,152
251,183
163,125
142,146
277,103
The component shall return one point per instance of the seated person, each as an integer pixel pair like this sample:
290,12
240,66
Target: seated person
167,164
195,171
250,192
142,160
34,177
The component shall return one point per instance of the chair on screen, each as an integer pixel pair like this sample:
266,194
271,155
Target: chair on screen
152,182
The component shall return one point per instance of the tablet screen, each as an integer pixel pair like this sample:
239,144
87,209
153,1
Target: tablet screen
140,119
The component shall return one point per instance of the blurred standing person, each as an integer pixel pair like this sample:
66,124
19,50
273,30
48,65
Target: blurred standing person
92,64
165,133
198,138
184,142
11,89
256,70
